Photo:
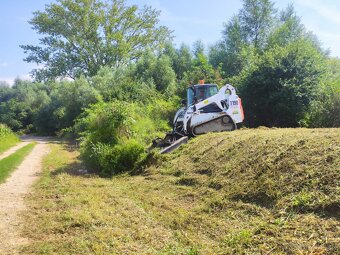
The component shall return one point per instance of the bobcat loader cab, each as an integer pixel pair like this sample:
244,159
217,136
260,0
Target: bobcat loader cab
206,109
209,110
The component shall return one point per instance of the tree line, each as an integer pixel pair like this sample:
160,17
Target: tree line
128,77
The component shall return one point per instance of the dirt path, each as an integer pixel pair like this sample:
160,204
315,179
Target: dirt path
12,194
13,149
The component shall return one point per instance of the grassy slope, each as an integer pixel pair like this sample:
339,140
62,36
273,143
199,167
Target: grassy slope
8,164
7,141
264,191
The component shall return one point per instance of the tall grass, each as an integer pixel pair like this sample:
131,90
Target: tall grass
7,138
114,135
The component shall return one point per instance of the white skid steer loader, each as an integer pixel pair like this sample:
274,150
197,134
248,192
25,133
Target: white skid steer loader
206,109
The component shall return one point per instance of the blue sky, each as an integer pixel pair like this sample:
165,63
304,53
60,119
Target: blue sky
190,19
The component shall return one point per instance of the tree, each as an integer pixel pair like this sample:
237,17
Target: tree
247,30
181,59
81,36
157,71
289,29
198,48
202,70
20,103
324,111
184,61
228,51
68,100
280,88
256,18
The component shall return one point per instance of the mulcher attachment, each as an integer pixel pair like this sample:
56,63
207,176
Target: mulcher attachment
170,142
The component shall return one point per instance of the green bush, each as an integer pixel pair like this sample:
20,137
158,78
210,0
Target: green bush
67,101
114,135
7,138
277,91
20,104
121,157
4,130
324,111
112,159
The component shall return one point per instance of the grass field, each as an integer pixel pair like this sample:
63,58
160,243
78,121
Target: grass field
7,138
263,191
8,164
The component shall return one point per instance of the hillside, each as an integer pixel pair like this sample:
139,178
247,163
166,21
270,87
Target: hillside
291,169
252,191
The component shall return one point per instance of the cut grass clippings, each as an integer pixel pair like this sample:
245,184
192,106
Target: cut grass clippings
8,164
252,191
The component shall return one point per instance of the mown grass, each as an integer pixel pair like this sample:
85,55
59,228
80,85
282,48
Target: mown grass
7,138
263,191
9,164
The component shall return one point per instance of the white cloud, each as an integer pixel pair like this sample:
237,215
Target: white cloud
10,80
327,11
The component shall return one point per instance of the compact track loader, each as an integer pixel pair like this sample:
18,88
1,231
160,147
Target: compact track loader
206,109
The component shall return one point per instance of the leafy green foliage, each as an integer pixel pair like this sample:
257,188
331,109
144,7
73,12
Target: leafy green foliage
7,138
249,28
114,159
324,111
227,52
114,134
277,65
201,69
278,91
288,29
128,76
156,71
91,34
181,59
120,84
45,108
4,131
68,99
256,19
20,104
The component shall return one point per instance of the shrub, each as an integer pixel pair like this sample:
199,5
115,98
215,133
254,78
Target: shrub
112,159
7,138
324,112
114,135
284,82
4,130
122,157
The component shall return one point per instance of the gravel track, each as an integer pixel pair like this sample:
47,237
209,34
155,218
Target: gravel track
13,149
13,192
